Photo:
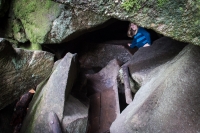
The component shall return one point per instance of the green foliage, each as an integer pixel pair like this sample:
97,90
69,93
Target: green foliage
135,5
131,5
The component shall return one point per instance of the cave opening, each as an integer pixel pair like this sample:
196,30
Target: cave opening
96,48
114,31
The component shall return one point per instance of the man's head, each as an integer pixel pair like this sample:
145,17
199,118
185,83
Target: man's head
132,30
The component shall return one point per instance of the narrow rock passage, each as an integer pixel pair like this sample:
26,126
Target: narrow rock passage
102,86
103,94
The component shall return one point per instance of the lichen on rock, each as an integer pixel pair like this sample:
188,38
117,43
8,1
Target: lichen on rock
73,22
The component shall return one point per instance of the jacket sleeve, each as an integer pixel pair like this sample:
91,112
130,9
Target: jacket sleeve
134,43
147,35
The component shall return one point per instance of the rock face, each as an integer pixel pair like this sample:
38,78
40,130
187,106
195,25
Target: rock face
21,70
177,19
48,22
61,20
73,22
169,99
54,97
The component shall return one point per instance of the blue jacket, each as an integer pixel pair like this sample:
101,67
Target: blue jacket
141,38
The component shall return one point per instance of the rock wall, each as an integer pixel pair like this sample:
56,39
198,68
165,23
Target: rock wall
61,20
177,19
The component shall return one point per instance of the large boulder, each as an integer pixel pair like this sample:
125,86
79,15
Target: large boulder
168,101
61,20
53,97
178,19
147,59
21,70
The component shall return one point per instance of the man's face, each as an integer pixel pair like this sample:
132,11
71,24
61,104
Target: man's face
134,27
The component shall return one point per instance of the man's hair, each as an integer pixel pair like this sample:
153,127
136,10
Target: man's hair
130,32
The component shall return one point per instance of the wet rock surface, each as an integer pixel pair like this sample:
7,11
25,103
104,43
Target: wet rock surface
21,70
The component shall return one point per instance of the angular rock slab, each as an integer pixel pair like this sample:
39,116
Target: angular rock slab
21,70
169,102
147,59
51,97
104,99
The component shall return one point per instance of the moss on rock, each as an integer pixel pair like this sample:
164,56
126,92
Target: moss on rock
18,31
36,17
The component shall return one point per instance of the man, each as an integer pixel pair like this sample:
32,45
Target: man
141,38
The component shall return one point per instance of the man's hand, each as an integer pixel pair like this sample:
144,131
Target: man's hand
129,44
146,45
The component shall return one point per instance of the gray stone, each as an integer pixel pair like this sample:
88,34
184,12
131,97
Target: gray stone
177,19
60,20
75,116
101,54
21,70
147,59
168,101
51,97
73,22
103,93
49,22
54,123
